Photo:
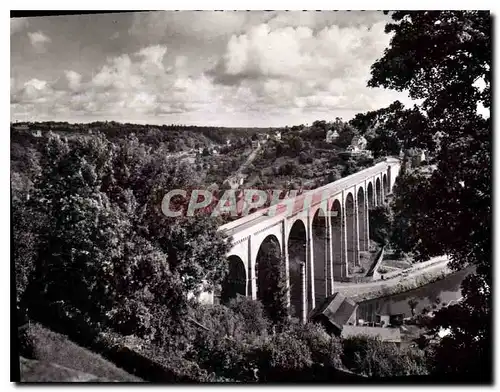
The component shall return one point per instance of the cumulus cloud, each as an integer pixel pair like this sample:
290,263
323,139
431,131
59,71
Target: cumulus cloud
298,67
152,59
39,40
257,68
126,84
299,53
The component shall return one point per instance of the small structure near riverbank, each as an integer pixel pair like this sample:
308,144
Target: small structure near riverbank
335,312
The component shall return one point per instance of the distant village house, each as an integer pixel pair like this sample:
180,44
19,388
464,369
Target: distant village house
331,135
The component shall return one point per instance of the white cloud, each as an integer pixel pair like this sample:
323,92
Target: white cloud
38,40
253,67
297,67
74,79
299,53
152,59
33,91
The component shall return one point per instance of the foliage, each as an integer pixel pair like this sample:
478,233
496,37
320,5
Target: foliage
325,349
283,354
252,313
220,344
272,290
379,359
412,303
439,57
381,223
106,252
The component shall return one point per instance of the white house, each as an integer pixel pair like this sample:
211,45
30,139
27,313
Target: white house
255,143
331,135
358,143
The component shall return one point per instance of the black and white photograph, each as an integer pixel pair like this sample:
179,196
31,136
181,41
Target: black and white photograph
251,197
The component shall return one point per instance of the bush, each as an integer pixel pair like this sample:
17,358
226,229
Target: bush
375,358
253,315
325,349
305,158
281,357
381,223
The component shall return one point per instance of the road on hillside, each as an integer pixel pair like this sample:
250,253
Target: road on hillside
249,160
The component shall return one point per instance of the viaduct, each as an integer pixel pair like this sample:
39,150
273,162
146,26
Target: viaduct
319,235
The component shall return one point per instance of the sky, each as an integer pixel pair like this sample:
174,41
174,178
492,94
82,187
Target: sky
219,68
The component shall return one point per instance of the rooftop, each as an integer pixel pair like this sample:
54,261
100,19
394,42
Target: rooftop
336,310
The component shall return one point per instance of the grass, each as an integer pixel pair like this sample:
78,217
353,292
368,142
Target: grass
53,348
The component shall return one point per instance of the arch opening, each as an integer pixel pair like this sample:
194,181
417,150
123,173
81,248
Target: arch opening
297,259
351,233
385,186
270,272
378,192
339,270
320,252
369,193
236,280
362,221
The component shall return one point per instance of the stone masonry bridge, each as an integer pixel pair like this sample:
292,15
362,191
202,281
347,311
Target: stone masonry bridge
319,235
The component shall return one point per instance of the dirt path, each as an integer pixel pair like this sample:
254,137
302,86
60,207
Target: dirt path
249,160
251,157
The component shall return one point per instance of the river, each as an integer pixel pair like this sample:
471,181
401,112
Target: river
447,290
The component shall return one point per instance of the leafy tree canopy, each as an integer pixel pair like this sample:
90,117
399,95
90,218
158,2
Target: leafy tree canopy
442,58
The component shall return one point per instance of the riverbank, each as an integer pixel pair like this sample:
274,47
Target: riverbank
419,300
422,274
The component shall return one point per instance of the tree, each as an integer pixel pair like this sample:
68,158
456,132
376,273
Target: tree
273,290
375,358
412,303
106,253
384,145
440,57
346,133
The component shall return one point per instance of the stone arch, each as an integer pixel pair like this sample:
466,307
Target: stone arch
385,186
351,232
297,257
378,192
268,260
236,280
369,194
362,220
339,269
320,252
389,180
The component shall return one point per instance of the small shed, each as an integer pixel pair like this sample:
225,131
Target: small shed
335,312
